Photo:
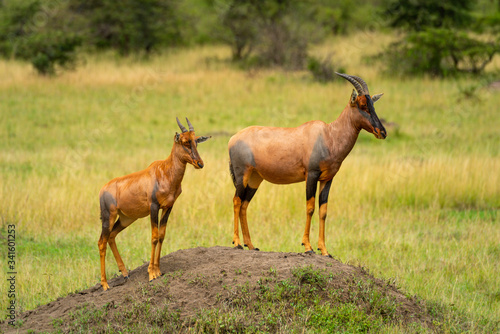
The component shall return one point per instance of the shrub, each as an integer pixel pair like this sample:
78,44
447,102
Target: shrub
128,26
439,52
322,69
274,33
47,50
22,36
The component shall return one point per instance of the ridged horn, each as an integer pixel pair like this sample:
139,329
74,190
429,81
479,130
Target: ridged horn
182,127
354,82
191,128
363,84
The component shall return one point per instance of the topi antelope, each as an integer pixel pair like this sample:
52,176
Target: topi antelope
144,193
312,152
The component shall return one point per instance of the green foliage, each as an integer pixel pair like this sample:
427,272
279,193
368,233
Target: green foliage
46,50
129,26
417,15
276,33
16,21
322,69
434,44
439,52
25,36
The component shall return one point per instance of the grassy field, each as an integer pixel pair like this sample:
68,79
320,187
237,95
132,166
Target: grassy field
421,207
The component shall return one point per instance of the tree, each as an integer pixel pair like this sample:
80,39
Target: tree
27,33
437,40
271,32
129,26
418,15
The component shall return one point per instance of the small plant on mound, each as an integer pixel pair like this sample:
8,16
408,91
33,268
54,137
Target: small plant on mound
305,299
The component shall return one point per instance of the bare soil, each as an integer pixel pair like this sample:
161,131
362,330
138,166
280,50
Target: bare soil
204,278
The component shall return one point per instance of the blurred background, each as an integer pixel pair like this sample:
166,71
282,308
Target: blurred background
89,91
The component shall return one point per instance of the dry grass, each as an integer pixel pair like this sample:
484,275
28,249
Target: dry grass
421,206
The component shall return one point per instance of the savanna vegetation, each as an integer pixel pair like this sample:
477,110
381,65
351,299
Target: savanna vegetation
421,207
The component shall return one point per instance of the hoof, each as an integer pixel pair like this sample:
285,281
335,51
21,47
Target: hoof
328,255
126,277
310,252
302,244
238,247
256,249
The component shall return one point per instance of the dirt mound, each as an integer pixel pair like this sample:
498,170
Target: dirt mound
198,282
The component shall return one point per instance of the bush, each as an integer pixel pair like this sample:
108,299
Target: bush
128,26
438,52
323,70
274,33
46,51
23,36
418,15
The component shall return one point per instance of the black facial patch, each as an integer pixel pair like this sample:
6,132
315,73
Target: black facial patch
364,113
372,117
369,104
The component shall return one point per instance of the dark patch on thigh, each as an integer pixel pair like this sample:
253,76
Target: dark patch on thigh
154,200
319,153
105,201
155,205
241,157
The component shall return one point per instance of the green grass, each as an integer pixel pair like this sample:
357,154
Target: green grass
310,301
307,302
421,207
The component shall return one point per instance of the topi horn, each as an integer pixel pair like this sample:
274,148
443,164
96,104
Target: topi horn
363,84
354,82
182,127
190,125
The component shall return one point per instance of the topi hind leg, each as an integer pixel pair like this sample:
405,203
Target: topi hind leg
254,181
161,237
236,208
240,180
108,217
311,186
155,208
103,240
121,224
324,190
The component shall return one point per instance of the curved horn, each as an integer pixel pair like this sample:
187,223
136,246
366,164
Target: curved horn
363,84
190,125
182,127
354,82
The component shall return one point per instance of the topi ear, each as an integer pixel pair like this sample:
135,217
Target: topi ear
354,96
201,139
177,137
377,97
